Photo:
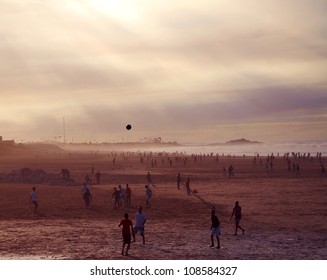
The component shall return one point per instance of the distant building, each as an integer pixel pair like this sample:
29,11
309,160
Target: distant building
6,142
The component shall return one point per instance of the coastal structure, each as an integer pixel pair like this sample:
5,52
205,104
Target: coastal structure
6,142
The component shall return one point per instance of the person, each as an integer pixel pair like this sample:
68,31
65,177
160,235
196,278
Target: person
148,195
84,188
149,179
215,229
33,199
323,170
116,196
237,212
179,179
122,196
230,171
128,195
126,232
224,171
87,197
140,220
297,170
98,176
88,180
187,185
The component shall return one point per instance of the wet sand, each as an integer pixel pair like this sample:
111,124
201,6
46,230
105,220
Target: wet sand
284,217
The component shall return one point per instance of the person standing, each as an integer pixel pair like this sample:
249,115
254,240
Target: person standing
126,232
128,195
215,229
187,185
179,179
148,196
237,212
149,179
122,195
87,197
297,171
84,188
140,220
116,197
98,177
33,199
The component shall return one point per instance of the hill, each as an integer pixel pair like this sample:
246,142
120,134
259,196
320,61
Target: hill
241,141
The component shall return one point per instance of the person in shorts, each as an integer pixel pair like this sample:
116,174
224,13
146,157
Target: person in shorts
215,229
140,220
126,232
237,212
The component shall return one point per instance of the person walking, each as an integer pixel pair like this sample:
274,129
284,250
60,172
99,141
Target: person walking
140,220
87,197
237,212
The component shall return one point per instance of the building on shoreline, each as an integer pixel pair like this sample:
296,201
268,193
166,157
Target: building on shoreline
6,142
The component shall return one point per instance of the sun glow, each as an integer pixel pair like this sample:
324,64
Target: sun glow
124,10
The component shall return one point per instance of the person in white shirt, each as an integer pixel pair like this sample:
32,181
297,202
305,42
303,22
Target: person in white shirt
33,199
140,220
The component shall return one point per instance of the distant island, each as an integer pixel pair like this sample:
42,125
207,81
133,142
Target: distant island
11,147
241,141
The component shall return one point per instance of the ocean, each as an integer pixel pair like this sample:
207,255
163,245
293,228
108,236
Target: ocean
312,147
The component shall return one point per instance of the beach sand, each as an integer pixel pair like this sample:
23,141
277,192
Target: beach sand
284,217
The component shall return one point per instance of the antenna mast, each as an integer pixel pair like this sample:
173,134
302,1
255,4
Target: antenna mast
64,128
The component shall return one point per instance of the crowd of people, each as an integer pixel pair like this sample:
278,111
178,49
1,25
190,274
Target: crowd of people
122,195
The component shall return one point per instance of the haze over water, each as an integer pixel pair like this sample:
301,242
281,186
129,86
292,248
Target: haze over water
312,147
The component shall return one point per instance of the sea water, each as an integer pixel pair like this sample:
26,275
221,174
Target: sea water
312,147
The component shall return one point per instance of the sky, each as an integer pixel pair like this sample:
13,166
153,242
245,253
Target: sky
188,71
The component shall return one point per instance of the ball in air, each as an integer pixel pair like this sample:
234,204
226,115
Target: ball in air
128,127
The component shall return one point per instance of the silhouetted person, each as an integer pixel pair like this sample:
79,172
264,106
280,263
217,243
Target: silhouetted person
126,232
179,179
215,229
237,212
128,195
98,177
33,199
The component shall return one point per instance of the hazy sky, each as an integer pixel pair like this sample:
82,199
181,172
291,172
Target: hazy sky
190,71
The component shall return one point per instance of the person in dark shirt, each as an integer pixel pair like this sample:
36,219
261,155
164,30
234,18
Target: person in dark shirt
126,232
215,229
87,197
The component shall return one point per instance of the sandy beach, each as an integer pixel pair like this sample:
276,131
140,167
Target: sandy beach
284,216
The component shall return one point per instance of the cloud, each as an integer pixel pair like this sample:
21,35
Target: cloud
173,66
